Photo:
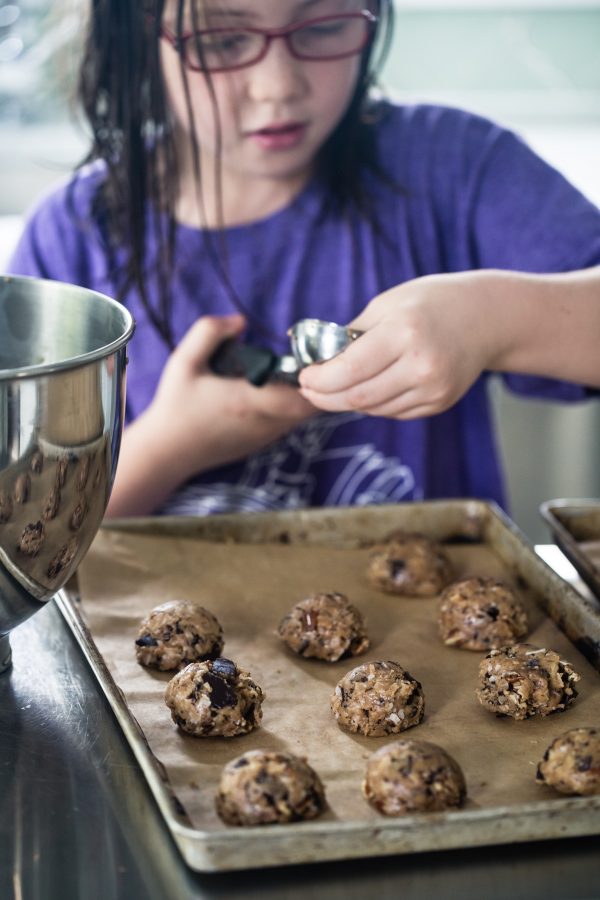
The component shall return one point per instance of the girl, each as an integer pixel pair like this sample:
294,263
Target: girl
243,176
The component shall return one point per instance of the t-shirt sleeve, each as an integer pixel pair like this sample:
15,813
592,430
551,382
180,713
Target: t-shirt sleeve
526,216
60,241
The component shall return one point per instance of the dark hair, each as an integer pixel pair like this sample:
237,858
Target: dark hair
122,94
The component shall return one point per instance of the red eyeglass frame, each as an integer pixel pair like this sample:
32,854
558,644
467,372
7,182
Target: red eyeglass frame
178,42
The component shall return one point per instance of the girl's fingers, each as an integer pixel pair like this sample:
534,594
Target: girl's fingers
204,336
364,359
367,395
409,405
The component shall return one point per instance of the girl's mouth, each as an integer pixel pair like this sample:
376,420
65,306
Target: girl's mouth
279,137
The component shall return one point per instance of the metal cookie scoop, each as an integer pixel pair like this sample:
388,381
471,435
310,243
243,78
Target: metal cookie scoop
311,340
314,340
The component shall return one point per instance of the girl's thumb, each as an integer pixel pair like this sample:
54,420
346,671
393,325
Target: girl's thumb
205,335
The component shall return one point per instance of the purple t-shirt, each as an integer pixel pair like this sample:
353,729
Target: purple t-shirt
472,196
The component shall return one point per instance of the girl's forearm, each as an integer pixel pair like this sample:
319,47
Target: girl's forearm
545,324
148,471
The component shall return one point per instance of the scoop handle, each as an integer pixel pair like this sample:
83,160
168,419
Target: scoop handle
232,359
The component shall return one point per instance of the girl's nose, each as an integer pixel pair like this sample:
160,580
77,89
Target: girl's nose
278,76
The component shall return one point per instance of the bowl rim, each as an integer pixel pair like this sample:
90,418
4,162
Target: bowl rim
83,359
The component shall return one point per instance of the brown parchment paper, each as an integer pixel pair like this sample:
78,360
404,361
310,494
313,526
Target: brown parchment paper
250,587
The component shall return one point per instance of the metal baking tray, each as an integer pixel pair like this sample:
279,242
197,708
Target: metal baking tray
469,523
575,527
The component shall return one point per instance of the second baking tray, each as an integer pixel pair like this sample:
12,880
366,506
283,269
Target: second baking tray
575,527
249,570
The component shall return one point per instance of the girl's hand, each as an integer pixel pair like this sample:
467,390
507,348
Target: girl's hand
198,420
425,343
214,420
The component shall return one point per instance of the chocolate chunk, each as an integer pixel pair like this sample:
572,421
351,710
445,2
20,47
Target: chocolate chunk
584,764
224,667
248,713
397,567
493,612
221,692
146,640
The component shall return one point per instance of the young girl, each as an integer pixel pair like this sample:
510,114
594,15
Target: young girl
243,176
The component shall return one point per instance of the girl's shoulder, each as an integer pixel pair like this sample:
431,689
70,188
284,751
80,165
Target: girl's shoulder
72,197
429,127
61,237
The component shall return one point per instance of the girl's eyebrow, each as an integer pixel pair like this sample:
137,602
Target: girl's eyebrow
231,12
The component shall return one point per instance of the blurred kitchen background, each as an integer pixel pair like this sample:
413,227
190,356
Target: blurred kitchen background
532,64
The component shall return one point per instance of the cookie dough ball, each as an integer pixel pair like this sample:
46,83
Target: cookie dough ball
522,681
263,787
413,776
177,633
378,698
571,764
480,614
411,565
324,626
214,699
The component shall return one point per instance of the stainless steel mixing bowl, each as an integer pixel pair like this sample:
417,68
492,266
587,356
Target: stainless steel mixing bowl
62,400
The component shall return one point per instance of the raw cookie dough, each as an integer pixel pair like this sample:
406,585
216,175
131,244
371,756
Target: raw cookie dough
571,764
523,681
411,565
480,614
177,633
324,626
378,698
214,698
413,776
262,787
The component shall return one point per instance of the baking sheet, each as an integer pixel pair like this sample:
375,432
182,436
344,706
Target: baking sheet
575,527
249,571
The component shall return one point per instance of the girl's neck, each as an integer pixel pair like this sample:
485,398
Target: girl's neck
233,201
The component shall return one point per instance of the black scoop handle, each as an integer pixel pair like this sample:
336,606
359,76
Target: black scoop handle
233,359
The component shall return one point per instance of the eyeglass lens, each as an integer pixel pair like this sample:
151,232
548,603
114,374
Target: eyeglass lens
328,38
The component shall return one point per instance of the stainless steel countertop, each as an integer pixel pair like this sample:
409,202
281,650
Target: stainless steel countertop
77,820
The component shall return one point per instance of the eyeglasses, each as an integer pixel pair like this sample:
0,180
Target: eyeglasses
226,49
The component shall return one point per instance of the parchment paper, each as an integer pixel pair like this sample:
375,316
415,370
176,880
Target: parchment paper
250,588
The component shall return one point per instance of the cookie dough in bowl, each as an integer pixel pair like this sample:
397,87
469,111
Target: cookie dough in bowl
177,633
480,614
324,626
571,764
523,681
378,698
411,777
410,565
264,787
214,699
